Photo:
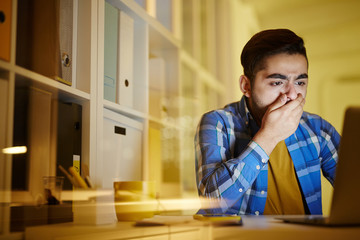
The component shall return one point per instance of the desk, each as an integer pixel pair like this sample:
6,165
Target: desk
174,228
267,228
184,227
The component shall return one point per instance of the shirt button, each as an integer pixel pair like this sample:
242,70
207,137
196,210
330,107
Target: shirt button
240,189
258,167
262,192
263,160
256,212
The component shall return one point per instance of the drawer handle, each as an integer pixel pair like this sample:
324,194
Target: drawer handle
120,130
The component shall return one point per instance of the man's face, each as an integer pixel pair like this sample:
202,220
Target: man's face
283,73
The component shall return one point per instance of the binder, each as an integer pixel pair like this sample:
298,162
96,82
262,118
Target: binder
110,51
66,41
157,87
126,59
45,36
5,29
68,146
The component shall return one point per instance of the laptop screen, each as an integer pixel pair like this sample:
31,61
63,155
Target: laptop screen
345,207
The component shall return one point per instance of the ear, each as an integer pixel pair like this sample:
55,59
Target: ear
245,85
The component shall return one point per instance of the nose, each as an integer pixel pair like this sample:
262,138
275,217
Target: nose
291,92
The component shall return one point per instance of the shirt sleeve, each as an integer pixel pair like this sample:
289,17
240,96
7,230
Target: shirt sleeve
329,150
222,179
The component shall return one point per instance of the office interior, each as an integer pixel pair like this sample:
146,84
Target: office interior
184,61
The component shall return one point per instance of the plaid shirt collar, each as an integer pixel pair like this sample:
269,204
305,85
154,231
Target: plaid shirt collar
246,116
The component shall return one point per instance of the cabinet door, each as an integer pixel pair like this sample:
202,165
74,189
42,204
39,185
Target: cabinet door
32,128
122,147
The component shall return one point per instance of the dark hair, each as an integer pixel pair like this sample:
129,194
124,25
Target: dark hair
268,43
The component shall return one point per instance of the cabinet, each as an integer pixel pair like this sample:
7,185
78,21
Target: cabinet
151,64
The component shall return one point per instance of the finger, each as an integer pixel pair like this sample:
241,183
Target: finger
298,111
303,102
279,102
299,101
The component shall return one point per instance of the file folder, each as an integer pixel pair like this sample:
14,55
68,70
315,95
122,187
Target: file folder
5,29
110,51
45,36
66,41
126,60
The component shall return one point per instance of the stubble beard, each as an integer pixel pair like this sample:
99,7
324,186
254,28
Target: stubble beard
257,112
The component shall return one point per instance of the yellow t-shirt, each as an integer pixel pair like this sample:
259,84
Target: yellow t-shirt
283,196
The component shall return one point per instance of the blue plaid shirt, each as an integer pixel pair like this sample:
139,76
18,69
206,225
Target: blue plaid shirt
232,170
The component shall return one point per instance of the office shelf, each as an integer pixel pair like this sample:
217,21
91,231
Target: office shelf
177,37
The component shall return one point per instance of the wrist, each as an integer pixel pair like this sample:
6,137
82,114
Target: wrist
265,141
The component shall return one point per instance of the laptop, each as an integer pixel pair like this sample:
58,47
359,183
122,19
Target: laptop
345,205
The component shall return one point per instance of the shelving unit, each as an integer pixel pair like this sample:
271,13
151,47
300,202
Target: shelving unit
190,84
182,35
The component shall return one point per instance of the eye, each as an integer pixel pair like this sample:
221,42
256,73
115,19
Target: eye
278,83
300,83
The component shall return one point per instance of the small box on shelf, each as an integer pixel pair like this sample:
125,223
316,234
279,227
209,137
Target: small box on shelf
122,149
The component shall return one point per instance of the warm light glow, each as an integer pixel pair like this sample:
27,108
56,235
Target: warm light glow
15,150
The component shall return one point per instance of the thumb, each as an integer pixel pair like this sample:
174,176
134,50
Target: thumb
279,102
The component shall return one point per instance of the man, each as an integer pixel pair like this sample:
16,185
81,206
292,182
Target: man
263,154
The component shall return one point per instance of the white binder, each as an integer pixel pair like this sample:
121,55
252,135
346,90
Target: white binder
126,60
110,51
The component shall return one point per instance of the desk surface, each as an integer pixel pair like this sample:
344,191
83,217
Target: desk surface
267,227
254,227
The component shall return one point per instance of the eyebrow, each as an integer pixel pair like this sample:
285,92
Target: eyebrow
283,77
301,76
277,75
